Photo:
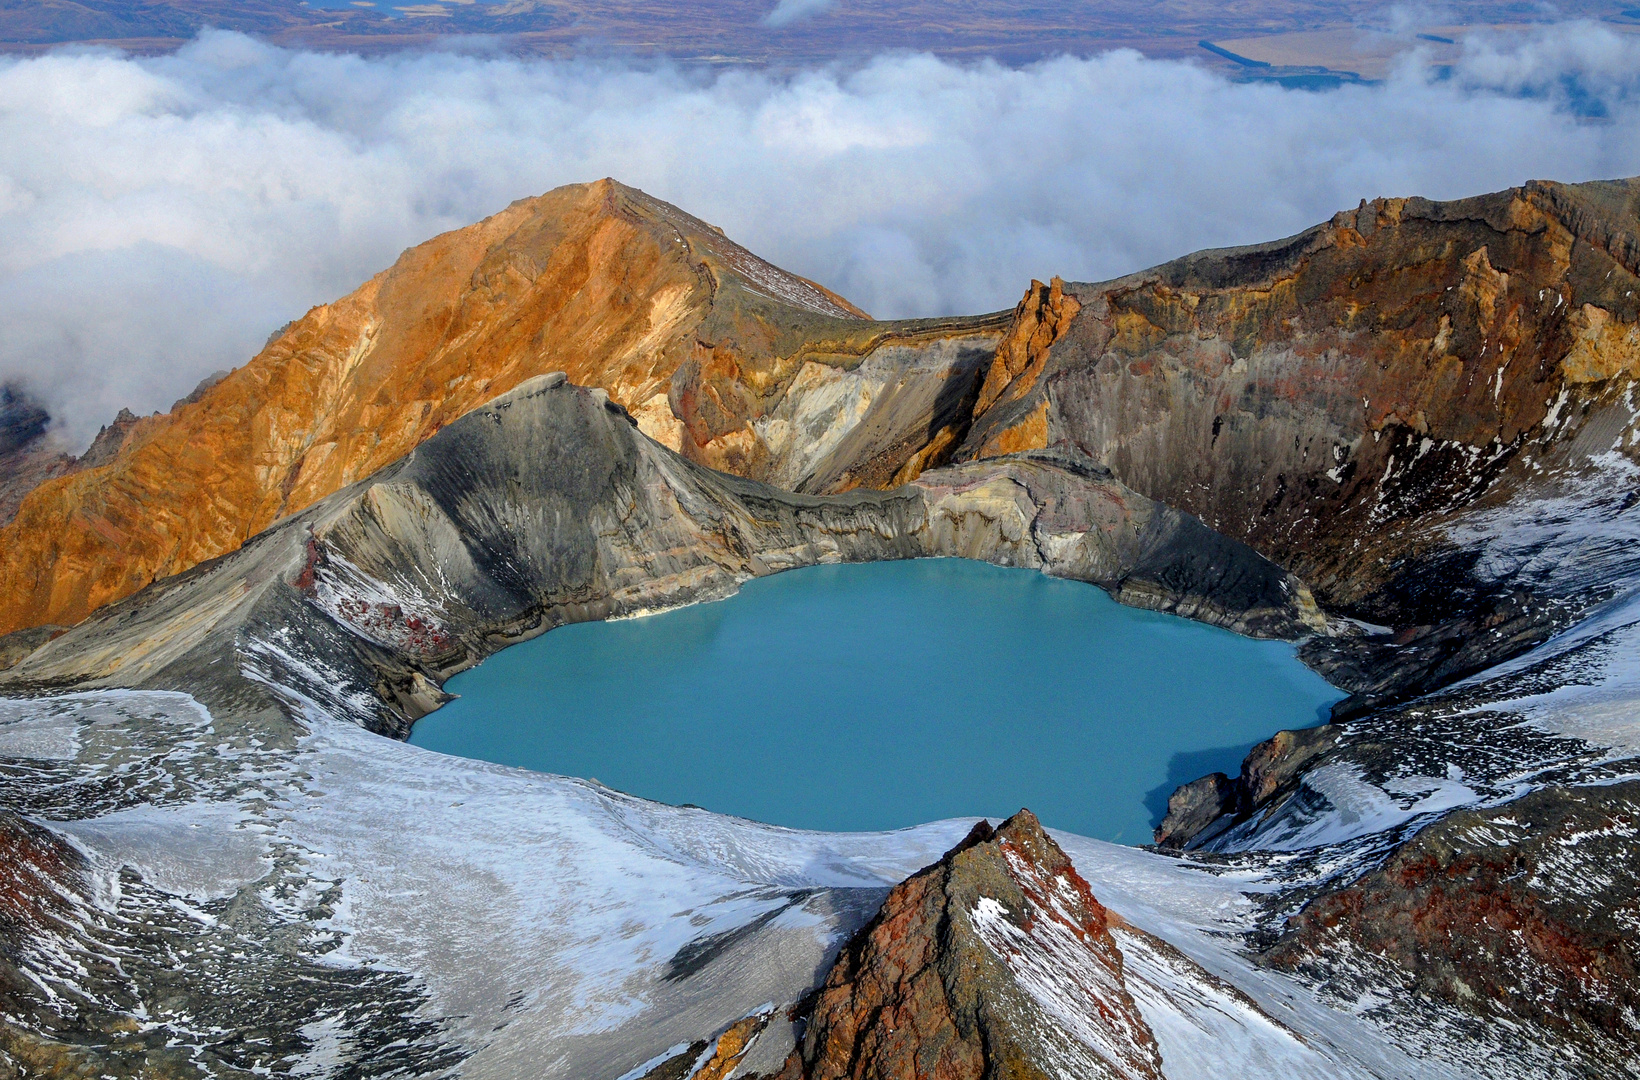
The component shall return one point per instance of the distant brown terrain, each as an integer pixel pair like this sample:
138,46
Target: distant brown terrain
735,31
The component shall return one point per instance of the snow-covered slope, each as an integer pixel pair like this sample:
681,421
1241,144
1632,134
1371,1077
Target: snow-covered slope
504,923
1425,410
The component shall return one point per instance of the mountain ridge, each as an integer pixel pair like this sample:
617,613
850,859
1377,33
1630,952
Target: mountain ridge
597,280
1425,409
779,366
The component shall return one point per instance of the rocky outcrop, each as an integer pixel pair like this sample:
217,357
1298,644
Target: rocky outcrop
1039,320
1271,767
1523,914
1269,773
1063,514
548,506
995,962
1194,806
698,338
714,1059
881,423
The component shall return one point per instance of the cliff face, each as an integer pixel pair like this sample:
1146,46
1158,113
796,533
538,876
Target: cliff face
996,962
548,506
1347,399
699,338
1252,385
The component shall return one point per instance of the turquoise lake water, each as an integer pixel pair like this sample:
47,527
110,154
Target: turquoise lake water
881,695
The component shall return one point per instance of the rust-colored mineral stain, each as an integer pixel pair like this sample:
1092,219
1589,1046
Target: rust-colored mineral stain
1030,433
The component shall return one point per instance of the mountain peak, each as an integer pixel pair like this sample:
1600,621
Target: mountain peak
602,281
995,961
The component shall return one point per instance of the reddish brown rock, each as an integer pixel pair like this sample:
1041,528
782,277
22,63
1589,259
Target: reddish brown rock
42,882
1524,912
995,962
1333,398
38,872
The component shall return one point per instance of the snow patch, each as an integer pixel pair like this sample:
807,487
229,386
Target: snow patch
1059,973
1358,808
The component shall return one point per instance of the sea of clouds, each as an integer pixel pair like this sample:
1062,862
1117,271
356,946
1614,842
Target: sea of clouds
160,216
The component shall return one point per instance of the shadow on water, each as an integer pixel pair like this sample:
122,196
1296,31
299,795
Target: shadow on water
1189,765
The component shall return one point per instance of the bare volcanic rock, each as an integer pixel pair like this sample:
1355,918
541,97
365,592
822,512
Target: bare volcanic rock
1523,913
995,962
1425,411
546,506
43,883
1305,394
39,873
1350,399
1268,773
1338,400
1194,806
697,337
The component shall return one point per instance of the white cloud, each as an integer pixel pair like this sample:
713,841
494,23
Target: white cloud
159,217
787,12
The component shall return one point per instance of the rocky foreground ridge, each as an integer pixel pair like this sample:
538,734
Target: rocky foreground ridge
931,986
1406,437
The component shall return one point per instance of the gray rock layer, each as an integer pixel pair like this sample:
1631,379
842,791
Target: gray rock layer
547,507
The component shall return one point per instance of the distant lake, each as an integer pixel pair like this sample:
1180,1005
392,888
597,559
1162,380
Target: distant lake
881,695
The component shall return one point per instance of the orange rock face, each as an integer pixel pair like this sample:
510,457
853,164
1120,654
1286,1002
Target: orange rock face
617,289
1040,319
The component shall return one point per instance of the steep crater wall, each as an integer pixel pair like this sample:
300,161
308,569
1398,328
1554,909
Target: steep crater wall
548,506
1355,401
